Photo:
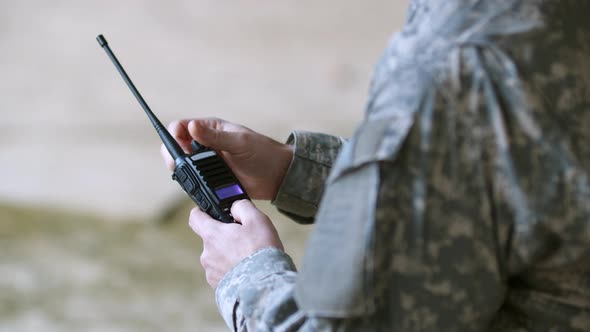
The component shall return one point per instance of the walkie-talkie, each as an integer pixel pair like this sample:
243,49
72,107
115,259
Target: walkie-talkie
203,174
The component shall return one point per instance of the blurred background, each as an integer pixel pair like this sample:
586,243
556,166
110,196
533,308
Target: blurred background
93,232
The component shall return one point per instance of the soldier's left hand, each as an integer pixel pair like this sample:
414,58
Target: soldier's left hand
225,245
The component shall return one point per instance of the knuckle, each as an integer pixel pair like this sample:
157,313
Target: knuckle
203,260
210,279
244,137
198,224
214,122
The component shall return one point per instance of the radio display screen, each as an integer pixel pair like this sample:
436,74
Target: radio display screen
229,191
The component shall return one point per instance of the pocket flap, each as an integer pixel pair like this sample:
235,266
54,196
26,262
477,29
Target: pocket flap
376,139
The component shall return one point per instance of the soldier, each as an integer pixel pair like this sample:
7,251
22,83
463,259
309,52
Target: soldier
461,203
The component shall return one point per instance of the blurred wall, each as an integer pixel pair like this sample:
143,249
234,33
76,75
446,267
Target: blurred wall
71,134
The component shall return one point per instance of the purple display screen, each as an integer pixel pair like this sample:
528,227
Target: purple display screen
229,191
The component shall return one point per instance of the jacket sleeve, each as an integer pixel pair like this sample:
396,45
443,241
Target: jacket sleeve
258,295
263,280
301,190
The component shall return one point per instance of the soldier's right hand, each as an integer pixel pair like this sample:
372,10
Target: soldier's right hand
259,162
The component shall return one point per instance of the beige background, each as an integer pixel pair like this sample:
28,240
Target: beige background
72,135
93,233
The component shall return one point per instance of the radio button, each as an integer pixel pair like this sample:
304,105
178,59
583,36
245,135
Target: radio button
204,204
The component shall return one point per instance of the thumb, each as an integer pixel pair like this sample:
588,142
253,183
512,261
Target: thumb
217,139
245,212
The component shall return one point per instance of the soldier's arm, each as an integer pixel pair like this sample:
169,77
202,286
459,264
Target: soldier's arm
373,268
303,185
405,238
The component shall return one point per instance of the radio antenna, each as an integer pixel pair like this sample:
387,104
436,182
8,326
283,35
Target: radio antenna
169,142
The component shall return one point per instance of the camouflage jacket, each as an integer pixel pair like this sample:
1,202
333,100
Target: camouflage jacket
461,203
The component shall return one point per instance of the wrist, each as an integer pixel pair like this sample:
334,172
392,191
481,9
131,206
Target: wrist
284,159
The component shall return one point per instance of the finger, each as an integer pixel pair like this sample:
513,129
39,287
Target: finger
214,133
167,158
211,275
179,130
202,224
200,129
215,123
204,259
245,212
212,279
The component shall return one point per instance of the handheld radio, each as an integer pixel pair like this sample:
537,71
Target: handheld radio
202,174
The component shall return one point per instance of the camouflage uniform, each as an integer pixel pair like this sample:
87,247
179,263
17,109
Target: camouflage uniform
462,202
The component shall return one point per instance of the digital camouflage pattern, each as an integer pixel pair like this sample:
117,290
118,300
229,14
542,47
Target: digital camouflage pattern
462,203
